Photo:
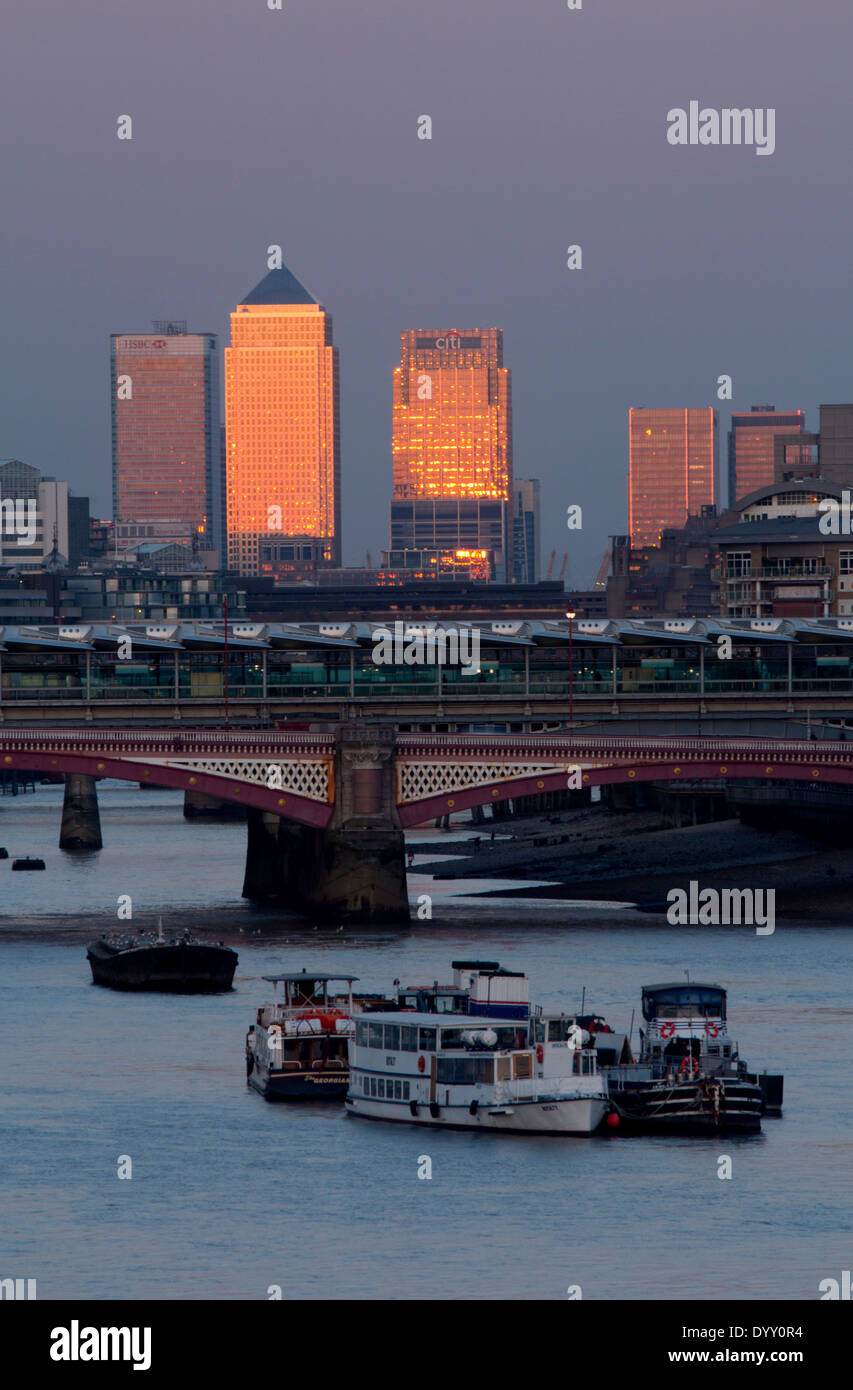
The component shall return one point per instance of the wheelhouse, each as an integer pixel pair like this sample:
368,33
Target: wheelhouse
683,1002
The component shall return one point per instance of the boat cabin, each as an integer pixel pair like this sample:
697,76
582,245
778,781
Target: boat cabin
686,1021
684,1002
479,987
307,1024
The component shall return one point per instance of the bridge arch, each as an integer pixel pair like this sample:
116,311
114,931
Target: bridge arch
766,769
284,803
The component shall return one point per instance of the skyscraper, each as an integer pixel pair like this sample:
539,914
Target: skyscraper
752,446
525,530
672,460
282,432
165,432
452,438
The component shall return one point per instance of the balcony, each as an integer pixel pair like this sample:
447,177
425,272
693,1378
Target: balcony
820,572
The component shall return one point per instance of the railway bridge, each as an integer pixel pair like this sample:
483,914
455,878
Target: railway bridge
327,811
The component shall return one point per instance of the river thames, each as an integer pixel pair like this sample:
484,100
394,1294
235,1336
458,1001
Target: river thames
230,1197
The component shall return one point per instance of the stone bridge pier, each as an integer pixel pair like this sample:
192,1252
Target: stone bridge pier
353,870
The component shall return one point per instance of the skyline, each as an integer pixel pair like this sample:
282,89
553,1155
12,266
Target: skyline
564,143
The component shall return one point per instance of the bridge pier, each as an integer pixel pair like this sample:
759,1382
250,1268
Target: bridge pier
81,821
352,871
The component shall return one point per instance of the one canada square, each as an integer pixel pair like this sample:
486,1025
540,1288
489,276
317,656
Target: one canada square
282,436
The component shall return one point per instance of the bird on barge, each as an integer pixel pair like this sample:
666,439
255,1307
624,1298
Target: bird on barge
179,965
689,1077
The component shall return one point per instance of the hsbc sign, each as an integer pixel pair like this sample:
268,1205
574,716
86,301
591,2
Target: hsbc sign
139,344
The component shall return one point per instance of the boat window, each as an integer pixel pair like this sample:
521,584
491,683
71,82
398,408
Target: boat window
374,1035
504,1068
713,1052
465,1071
408,1001
405,1090
408,1039
392,1037
427,1040
538,1030
373,1085
448,1004
361,1033
381,1084
398,1090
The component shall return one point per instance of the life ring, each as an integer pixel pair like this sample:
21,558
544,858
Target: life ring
689,1066
540,1053
667,1030
422,1064
712,1030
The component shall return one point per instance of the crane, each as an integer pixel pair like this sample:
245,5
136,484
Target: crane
551,564
601,577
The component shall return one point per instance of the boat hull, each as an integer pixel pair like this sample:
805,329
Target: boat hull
562,1117
303,1085
180,969
688,1108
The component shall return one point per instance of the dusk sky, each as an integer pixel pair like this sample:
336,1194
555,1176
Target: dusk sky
299,127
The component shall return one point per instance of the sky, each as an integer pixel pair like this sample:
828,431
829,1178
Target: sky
298,127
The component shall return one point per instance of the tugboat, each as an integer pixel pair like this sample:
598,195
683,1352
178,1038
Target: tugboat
469,1060
180,965
689,1078
297,1047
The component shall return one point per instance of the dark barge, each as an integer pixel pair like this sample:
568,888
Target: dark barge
178,966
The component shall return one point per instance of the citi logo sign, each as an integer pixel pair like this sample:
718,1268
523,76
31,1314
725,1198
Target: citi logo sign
76,1343
452,340
729,126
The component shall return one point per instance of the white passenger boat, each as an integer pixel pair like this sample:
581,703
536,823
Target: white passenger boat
483,1073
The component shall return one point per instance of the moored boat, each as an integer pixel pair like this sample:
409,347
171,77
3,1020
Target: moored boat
458,1064
689,1077
297,1047
179,965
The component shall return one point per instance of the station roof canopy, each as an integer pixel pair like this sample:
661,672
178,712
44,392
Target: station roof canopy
173,636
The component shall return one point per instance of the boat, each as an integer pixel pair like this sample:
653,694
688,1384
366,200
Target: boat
27,863
471,1066
689,1077
297,1047
179,965
479,987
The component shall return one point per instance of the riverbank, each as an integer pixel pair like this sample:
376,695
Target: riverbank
597,855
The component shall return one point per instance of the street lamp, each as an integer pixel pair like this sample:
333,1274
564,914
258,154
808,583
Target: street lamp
571,617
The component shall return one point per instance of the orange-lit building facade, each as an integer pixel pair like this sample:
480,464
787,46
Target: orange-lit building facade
672,464
452,424
752,446
165,433
282,433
